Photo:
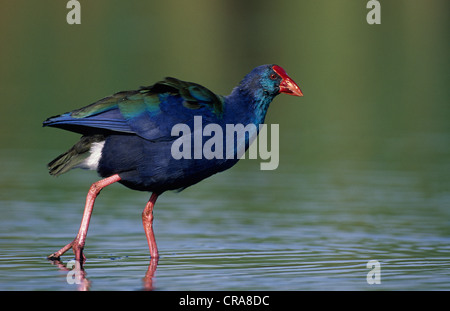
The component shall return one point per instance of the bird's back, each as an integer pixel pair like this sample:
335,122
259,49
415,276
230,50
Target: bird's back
134,130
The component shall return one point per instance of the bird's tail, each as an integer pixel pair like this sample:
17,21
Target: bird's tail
74,156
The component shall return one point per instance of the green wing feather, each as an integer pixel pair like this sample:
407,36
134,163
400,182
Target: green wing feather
132,103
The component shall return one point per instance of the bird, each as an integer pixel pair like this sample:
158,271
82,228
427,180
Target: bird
128,138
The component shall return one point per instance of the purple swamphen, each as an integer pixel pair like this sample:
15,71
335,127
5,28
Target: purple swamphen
127,137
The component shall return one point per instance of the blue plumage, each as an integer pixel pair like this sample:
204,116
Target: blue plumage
136,128
149,112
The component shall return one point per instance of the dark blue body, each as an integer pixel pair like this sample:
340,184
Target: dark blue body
137,128
149,166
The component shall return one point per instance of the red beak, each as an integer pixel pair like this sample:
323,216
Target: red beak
287,85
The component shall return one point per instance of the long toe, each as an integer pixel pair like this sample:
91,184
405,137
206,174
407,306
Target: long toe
53,256
58,254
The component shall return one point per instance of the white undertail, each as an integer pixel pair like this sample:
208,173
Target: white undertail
91,162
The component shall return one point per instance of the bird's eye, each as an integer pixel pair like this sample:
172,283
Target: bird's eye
273,76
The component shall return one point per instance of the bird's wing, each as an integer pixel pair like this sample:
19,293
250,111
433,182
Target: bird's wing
149,112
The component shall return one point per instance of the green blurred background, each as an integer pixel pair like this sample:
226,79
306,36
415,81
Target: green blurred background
364,168
362,83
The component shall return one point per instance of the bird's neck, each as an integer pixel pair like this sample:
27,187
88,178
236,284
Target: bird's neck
247,106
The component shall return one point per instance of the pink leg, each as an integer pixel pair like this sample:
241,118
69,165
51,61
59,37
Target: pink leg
78,243
147,221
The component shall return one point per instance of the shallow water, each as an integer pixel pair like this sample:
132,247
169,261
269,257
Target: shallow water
301,227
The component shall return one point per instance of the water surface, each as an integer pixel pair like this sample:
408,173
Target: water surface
301,227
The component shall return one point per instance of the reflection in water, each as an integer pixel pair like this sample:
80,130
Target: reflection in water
76,274
150,274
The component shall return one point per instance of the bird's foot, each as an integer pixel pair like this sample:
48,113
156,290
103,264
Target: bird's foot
77,248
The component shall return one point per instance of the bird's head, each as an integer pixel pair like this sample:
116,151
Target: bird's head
257,90
269,81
